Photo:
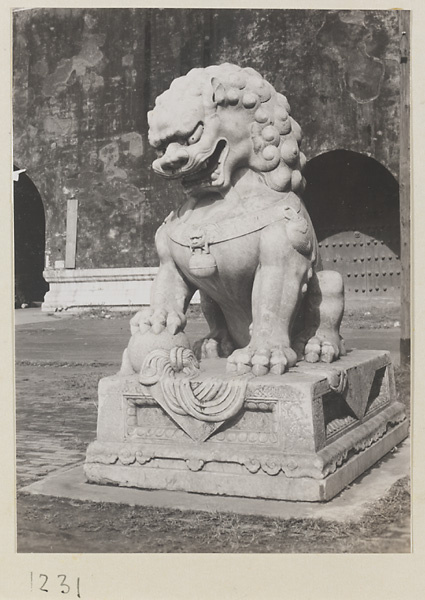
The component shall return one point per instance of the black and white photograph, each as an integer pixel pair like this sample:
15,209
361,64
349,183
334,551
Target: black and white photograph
212,284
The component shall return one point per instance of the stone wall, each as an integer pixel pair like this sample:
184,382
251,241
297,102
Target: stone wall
84,80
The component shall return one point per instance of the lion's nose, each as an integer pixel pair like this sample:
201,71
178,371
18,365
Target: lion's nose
175,158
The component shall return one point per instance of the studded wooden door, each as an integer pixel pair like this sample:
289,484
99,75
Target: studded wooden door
367,264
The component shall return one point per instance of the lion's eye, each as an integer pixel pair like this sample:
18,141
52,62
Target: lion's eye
196,135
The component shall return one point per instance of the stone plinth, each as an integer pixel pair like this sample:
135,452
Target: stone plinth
115,288
301,436
88,288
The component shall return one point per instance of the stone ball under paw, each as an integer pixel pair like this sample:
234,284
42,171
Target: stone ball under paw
141,344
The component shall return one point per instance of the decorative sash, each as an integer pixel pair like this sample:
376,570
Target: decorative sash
200,236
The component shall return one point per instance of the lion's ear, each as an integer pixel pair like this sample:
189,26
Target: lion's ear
218,94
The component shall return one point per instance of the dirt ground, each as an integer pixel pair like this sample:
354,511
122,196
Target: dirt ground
58,366
47,524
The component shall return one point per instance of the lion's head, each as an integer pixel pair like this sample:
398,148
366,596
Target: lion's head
215,121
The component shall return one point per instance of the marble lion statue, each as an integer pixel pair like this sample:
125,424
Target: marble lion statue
243,238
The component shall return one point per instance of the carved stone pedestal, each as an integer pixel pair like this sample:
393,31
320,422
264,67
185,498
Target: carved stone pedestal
301,436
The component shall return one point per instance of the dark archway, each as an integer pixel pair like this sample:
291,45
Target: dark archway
29,241
353,202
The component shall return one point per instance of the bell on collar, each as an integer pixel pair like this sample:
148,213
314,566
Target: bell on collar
202,263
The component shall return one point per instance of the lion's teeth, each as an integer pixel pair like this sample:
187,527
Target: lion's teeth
214,175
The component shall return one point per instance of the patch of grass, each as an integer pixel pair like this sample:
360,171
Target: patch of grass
63,363
371,314
47,524
193,312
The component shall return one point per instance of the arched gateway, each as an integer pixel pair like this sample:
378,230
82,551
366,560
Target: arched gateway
353,201
29,241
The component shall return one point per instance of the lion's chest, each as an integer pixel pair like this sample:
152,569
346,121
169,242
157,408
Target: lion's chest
225,270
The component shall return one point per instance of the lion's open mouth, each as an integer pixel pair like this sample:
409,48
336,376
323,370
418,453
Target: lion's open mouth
210,169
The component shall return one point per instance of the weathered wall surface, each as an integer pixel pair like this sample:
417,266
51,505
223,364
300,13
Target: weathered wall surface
84,80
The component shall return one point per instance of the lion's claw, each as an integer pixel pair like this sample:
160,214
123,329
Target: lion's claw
213,346
157,320
175,322
262,361
321,349
209,348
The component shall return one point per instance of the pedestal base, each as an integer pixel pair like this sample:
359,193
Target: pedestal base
296,436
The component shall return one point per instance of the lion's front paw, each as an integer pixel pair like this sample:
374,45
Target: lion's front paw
260,361
323,348
158,320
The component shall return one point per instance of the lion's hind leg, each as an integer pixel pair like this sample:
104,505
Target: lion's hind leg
218,342
324,309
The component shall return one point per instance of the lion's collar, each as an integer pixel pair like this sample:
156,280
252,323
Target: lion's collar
199,235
